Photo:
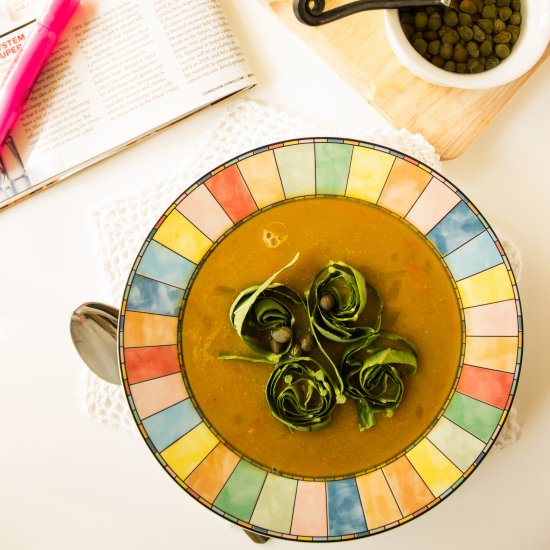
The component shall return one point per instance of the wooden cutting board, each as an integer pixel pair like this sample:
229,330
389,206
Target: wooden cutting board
357,48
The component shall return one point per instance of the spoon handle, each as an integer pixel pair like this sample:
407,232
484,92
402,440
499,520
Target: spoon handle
311,12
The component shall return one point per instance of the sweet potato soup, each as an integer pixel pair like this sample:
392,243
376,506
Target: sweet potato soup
420,304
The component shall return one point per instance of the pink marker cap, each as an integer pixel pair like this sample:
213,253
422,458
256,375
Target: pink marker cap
57,13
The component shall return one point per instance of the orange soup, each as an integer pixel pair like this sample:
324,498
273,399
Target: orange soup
420,304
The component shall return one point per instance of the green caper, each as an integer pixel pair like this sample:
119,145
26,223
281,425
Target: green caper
492,62
434,22
486,25
515,19
421,19
461,68
486,48
420,45
281,334
275,347
502,51
450,37
430,35
407,29
438,61
514,31
474,65
460,54
489,12
515,5
502,3
473,49
503,37
450,66
466,33
327,302
479,35
434,46
504,13
447,51
465,19
451,18
499,25
468,6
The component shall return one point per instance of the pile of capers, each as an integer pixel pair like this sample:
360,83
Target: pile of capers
475,37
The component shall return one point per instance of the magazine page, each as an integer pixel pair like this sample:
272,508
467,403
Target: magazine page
121,70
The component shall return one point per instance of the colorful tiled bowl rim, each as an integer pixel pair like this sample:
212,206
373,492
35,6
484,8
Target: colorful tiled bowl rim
311,509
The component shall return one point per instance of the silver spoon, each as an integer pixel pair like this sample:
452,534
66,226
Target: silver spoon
93,330
94,334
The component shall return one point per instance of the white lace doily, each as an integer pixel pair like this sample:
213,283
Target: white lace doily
122,226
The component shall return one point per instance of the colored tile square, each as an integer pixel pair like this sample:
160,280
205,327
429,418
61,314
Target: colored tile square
231,192
489,386
436,201
492,285
169,425
211,475
456,228
152,296
475,256
378,502
310,509
240,493
275,504
189,451
404,185
150,362
297,169
437,471
368,173
460,446
345,513
261,175
202,209
155,395
408,488
332,164
478,418
162,264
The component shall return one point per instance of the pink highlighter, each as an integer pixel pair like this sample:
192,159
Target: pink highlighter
31,59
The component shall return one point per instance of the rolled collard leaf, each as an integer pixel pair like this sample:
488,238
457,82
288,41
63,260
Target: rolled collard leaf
336,299
259,309
300,394
375,381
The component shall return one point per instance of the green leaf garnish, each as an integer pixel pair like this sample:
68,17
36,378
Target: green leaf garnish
300,394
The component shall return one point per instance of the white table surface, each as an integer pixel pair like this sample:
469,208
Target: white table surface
68,482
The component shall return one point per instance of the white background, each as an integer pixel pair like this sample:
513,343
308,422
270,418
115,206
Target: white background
68,482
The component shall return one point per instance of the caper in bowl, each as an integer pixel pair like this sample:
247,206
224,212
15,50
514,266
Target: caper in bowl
480,44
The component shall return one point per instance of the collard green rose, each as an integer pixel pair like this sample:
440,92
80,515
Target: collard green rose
372,376
260,309
336,299
300,394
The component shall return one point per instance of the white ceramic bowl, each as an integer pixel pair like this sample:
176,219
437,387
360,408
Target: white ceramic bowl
532,41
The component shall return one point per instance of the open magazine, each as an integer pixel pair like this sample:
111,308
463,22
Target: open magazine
122,69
